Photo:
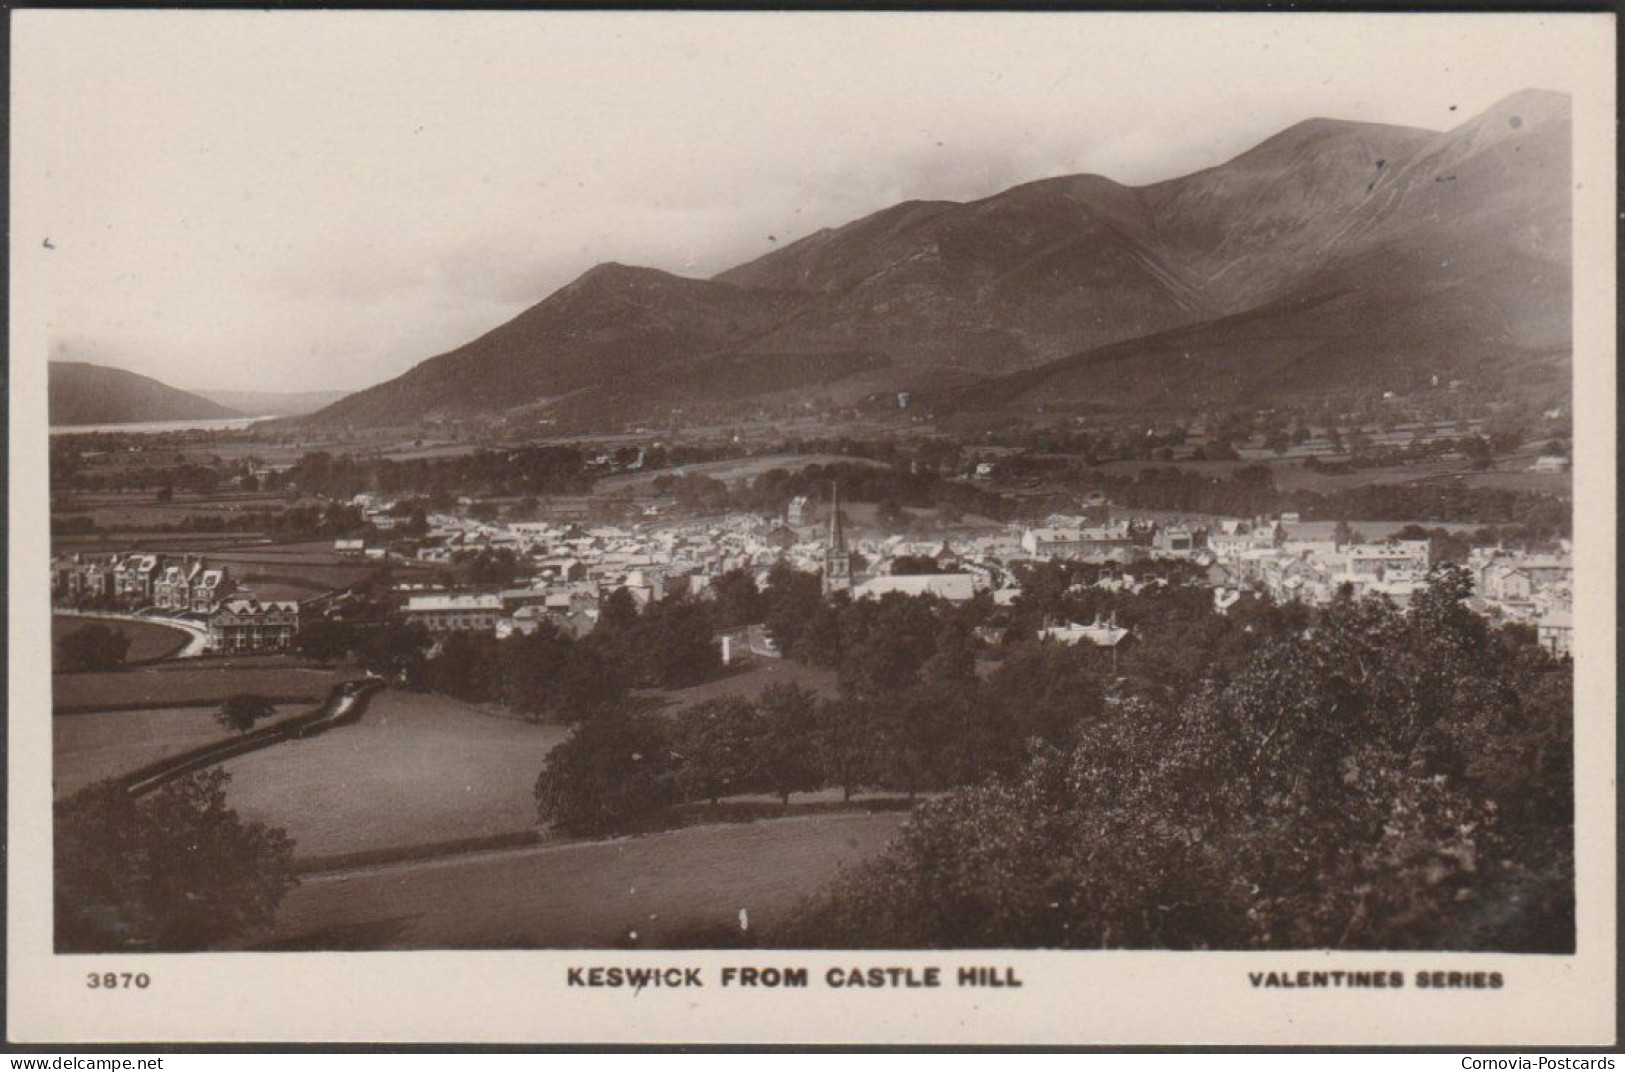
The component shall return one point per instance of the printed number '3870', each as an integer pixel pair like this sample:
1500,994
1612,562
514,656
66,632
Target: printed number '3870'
117,981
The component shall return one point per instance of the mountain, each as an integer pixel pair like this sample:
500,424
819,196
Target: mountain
1454,264
1329,254
82,393
272,403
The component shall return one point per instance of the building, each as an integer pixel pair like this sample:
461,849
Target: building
246,624
798,513
172,591
84,579
210,587
1555,630
1075,543
837,559
446,613
136,575
1107,634
954,587
1176,541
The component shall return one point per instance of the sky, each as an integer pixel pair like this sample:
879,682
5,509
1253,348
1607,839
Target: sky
301,201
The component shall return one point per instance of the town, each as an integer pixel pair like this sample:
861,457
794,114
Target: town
560,572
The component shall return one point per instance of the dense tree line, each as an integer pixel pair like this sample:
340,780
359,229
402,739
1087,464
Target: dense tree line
527,470
913,714
892,487
1377,780
1251,491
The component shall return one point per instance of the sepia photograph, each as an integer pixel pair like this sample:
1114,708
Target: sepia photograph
656,484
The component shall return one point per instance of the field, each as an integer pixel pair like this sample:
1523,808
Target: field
662,888
417,769
748,679
294,570
188,684
1290,475
141,509
104,744
148,640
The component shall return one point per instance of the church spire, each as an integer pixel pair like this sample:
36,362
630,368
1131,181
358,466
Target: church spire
837,534
837,560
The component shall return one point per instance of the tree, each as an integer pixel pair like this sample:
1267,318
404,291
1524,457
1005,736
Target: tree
324,639
784,751
712,743
467,668
588,683
613,771
845,742
176,871
789,602
1383,780
737,602
396,649
673,645
240,711
90,648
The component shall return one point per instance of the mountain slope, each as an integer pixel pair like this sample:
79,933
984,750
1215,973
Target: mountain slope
1447,250
82,393
1457,267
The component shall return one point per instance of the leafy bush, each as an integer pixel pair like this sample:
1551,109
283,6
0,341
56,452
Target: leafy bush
176,871
91,647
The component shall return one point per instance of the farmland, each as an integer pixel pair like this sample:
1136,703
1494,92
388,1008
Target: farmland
416,769
726,471
668,888
105,744
190,684
148,640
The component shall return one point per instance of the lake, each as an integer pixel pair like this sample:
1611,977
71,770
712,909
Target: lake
216,424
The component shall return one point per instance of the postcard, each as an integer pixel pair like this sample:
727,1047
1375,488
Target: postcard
675,527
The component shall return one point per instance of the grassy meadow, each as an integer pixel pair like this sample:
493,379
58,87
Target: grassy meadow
682,887
417,769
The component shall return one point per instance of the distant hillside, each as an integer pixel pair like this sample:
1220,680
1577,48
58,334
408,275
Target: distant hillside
82,393
272,403
1329,254
1455,264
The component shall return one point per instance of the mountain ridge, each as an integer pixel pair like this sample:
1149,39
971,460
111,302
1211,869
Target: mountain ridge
81,392
1465,228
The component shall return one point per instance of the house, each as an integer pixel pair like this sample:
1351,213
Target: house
209,588
1550,463
350,547
173,589
247,624
1555,631
136,575
1075,543
447,613
79,578
1176,540
954,587
1101,634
